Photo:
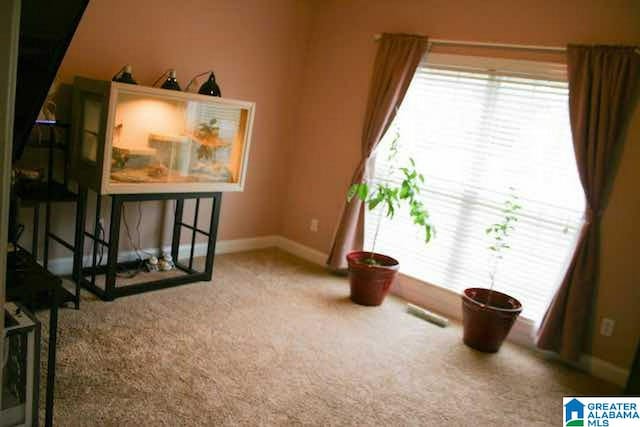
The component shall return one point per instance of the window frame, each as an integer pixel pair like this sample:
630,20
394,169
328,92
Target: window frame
446,300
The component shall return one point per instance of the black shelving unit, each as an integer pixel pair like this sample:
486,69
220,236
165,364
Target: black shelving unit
30,284
35,194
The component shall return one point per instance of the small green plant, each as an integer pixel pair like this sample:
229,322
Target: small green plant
206,132
389,197
500,234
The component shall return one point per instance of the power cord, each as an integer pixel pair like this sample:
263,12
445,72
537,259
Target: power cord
161,76
128,232
102,236
193,80
132,273
137,246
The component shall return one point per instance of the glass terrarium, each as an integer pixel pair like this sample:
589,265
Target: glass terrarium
137,139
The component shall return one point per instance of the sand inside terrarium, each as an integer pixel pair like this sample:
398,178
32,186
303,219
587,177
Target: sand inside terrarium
172,159
161,174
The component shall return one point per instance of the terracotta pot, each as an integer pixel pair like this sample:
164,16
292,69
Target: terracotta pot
370,283
486,325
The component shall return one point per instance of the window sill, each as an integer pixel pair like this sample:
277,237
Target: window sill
448,303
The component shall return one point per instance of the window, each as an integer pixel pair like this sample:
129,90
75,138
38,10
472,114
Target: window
475,134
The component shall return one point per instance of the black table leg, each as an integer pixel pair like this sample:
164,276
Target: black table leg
196,211
78,255
216,201
47,222
51,361
177,228
36,224
114,239
96,235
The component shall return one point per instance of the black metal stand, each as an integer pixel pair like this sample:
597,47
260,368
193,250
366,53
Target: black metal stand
51,357
111,290
48,192
27,281
33,286
51,236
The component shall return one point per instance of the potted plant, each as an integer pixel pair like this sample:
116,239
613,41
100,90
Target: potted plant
371,274
488,315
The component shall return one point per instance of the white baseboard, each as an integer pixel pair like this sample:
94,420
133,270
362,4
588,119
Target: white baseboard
242,245
64,265
302,251
434,298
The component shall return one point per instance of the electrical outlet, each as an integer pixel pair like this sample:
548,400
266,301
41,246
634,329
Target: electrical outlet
314,225
606,327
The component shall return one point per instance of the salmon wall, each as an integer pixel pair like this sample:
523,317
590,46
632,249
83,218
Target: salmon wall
256,49
340,57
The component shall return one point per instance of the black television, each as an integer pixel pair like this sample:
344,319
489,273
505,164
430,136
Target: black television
46,29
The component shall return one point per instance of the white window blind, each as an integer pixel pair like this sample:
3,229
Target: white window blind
228,118
474,134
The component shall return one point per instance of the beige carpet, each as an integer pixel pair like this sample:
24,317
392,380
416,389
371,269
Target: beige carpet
276,341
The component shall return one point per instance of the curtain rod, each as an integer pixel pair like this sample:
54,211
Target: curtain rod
490,45
377,37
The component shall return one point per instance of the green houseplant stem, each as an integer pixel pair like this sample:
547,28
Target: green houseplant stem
389,197
500,234
489,315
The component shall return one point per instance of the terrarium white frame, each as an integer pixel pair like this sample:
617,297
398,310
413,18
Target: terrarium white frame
109,187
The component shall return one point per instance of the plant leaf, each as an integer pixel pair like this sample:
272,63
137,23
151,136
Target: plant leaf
352,191
404,190
375,201
363,191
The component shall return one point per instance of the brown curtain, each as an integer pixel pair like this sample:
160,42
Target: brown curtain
396,61
602,85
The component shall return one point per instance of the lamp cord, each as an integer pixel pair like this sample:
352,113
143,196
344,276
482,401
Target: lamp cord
120,71
161,76
193,80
